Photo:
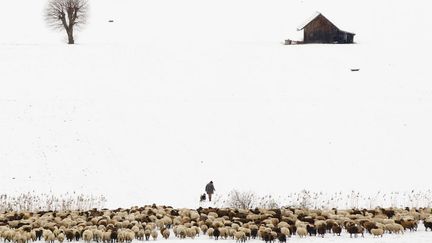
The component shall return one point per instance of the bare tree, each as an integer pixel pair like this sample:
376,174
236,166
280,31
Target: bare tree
67,14
244,200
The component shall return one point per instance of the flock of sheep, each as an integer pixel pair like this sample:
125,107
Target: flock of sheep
150,222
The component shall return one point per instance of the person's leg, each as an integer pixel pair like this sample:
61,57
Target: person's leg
210,197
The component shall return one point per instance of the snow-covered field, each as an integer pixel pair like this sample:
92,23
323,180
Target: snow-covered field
174,94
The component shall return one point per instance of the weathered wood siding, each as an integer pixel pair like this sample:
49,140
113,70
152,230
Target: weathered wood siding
320,30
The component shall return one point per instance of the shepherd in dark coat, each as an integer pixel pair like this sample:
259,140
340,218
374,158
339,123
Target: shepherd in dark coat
210,190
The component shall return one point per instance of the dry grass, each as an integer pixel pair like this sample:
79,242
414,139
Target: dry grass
321,200
34,202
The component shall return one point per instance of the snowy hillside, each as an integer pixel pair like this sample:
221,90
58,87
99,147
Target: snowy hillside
174,94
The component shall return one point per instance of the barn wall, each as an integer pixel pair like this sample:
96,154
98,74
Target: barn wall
344,37
320,30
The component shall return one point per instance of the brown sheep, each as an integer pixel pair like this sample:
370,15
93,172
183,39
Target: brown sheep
355,230
409,224
336,229
321,230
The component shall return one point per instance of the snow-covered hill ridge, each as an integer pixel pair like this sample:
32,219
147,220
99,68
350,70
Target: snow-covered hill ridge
174,94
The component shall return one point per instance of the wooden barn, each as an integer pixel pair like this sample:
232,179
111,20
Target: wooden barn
318,29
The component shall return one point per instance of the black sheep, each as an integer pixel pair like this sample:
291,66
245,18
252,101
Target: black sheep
254,233
114,236
282,238
427,225
268,237
39,234
276,229
248,235
311,230
77,236
69,235
216,233
293,229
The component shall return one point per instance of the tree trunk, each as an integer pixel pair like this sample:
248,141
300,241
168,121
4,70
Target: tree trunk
71,40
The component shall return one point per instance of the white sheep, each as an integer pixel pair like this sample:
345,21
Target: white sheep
61,237
160,223
125,224
223,232
300,224
181,232
283,224
106,236
191,233
56,231
204,228
197,230
154,234
135,229
45,234
125,235
301,232
8,235
50,238
261,231
388,221
33,235
177,221
397,228
97,235
194,215
285,231
377,232
380,225
218,224
235,226
19,237
231,232
87,236
147,234
153,218
210,232
247,231
319,223
167,221
240,236
166,233
252,217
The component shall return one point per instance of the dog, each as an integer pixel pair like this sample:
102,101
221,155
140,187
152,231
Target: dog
203,197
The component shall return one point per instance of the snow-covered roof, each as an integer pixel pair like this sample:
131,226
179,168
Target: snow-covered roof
314,17
347,32
308,20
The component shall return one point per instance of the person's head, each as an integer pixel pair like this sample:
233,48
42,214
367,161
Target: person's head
211,182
